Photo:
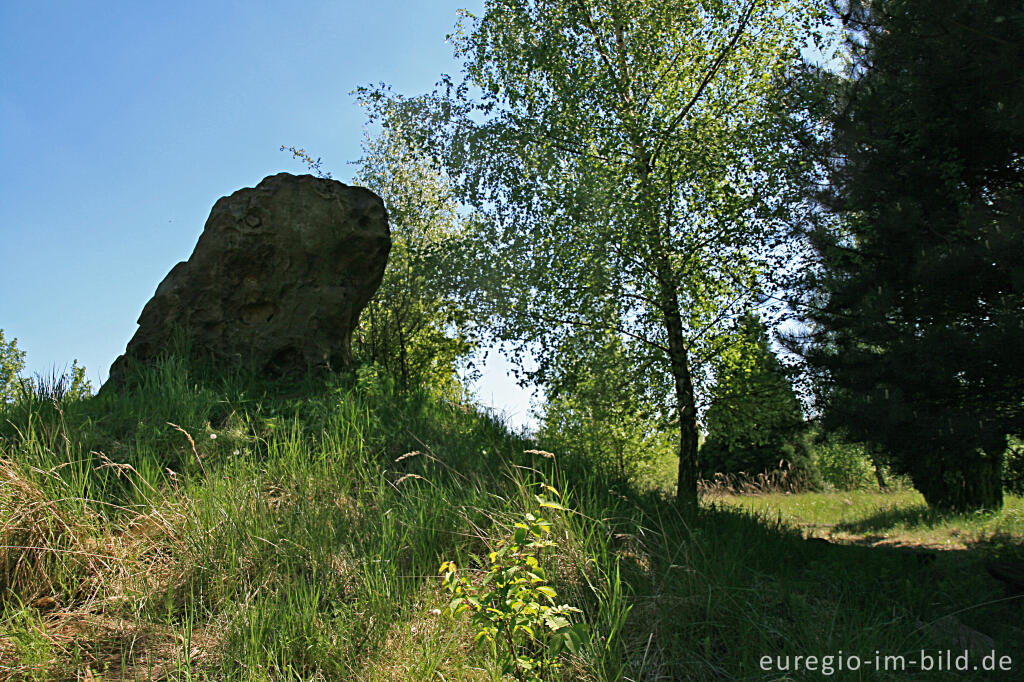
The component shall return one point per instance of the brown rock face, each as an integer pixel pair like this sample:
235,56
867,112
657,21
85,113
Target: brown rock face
277,279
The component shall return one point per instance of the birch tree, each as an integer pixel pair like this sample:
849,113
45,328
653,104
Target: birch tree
629,156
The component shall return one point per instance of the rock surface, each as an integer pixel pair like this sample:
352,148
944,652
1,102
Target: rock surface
276,281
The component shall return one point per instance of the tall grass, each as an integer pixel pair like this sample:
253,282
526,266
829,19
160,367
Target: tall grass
212,527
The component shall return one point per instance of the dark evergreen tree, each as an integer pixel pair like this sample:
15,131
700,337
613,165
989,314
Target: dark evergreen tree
916,309
755,419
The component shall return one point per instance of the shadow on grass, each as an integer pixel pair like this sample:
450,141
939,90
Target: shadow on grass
1001,546
917,516
714,594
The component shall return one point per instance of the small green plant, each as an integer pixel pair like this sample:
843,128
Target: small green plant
514,608
24,631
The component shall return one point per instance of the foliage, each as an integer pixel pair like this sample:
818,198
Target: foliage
12,361
593,415
632,164
303,540
78,386
305,157
418,326
514,606
842,465
1013,467
916,304
755,419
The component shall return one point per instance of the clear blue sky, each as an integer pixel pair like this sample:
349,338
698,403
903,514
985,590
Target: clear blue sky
121,123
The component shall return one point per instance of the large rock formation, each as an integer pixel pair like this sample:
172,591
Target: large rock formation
277,279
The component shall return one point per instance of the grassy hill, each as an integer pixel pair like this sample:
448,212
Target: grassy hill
198,528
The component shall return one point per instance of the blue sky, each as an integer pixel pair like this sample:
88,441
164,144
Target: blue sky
121,123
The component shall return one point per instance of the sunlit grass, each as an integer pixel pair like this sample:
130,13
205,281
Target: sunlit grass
900,517
229,531
294,532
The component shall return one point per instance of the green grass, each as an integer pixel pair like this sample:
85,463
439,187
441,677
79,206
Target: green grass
897,518
288,532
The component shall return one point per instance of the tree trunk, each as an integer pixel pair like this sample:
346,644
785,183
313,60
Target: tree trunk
678,354
402,359
880,477
961,484
686,483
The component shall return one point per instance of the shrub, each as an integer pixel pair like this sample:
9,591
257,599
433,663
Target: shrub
841,464
1013,467
514,608
755,419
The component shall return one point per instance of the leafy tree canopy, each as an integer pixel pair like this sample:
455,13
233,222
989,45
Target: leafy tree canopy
631,163
419,325
12,361
755,417
592,411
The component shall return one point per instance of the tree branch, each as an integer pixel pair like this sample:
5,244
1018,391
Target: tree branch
602,51
715,66
604,327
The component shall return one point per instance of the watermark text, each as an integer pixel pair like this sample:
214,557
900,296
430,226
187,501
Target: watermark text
938,660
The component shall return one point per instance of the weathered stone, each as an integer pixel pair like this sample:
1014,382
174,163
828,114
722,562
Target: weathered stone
276,281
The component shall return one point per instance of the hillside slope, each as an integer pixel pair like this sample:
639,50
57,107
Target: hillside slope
202,528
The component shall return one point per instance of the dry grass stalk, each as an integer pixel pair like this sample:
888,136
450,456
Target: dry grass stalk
192,443
781,480
44,551
80,580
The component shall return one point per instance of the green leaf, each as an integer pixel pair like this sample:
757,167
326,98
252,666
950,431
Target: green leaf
546,590
556,623
573,639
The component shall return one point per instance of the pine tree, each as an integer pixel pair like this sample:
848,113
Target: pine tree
918,324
